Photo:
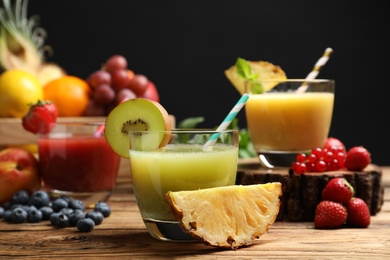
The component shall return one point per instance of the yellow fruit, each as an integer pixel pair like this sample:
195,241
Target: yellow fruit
265,71
227,217
18,89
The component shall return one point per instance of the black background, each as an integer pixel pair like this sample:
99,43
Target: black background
184,47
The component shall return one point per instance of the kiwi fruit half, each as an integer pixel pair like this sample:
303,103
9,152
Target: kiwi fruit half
138,114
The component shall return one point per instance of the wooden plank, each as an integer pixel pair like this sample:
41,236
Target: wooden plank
13,133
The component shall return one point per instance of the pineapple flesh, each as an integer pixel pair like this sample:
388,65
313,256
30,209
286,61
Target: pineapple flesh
227,217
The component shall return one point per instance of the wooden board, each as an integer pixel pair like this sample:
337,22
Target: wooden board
13,133
302,193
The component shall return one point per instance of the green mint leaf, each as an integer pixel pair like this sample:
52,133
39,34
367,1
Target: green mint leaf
256,87
244,69
190,122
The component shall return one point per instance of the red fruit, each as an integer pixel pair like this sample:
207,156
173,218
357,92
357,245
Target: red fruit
338,190
138,84
358,213
151,92
357,158
41,117
119,79
329,214
331,141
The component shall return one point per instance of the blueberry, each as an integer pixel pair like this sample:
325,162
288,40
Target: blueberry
53,217
59,220
14,206
59,204
66,198
1,212
18,215
75,216
103,208
77,204
21,197
39,199
28,208
96,216
34,216
7,215
85,225
7,205
46,212
66,211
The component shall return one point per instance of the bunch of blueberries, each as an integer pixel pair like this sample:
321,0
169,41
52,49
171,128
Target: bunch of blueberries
62,211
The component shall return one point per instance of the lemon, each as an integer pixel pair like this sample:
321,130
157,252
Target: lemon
264,70
227,217
18,89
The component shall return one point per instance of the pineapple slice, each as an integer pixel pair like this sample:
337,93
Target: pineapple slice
227,217
263,70
22,42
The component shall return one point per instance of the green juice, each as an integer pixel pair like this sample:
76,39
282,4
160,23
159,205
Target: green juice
178,167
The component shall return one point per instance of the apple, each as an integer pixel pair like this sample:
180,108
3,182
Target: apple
151,92
18,171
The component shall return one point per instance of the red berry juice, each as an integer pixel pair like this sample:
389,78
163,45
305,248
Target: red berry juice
77,164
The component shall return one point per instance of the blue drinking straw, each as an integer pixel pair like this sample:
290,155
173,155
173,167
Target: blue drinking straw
226,122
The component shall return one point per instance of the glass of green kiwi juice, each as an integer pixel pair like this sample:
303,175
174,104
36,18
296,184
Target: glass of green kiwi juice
185,163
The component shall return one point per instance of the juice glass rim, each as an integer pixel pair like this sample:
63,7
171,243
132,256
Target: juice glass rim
69,124
187,130
294,80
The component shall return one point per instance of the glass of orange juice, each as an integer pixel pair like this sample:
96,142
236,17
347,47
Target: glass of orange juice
293,117
183,164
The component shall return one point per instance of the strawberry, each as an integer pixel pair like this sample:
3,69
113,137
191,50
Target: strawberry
358,213
334,142
357,158
338,190
329,214
40,117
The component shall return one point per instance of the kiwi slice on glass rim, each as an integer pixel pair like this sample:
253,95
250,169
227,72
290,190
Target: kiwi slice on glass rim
138,114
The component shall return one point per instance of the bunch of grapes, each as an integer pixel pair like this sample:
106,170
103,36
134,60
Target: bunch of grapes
115,83
320,160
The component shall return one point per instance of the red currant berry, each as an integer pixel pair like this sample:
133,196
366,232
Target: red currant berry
312,158
301,157
328,156
300,168
320,166
333,165
317,152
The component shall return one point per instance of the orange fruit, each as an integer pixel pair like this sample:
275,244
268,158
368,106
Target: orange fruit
69,93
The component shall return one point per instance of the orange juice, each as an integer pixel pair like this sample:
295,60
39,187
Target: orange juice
288,121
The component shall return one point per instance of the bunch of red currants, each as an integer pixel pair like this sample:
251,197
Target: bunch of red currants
115,83
320,160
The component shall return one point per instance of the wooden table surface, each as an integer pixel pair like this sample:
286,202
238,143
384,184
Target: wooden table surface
123,235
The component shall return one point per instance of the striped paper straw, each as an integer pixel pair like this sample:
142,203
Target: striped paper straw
226,122
316,69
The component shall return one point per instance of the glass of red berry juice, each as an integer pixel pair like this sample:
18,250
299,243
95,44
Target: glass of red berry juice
76,160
